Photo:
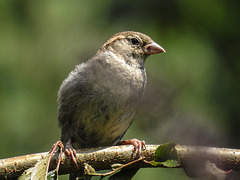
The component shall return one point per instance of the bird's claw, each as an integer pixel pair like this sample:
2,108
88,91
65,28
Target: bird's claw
71,152
137,144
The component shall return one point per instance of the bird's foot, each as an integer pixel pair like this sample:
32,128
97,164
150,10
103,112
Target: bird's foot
71,152
137,144
52,151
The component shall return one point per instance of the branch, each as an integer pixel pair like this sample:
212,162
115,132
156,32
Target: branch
103,158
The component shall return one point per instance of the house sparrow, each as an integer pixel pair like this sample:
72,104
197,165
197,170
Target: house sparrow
99,98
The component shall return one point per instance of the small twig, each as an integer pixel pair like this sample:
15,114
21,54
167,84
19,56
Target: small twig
117,169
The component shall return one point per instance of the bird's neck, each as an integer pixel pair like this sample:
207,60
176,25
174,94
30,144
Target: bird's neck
131,60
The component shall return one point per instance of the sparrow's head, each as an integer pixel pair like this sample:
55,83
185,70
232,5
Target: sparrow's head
133,47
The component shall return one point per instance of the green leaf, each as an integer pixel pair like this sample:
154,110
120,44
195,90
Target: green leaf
26,175
88,169
38,172
154,163
52,175
165,151
171,163
166,155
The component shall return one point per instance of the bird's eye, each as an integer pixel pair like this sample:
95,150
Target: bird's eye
134,41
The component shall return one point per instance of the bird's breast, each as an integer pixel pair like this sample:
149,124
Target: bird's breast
106,96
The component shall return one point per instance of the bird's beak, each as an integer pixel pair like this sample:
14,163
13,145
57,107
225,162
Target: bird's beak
153,48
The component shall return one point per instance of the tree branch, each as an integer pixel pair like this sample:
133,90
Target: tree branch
105,157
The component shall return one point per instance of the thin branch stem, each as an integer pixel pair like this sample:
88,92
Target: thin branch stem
117,169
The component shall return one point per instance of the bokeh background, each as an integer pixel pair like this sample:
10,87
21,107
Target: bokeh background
192,95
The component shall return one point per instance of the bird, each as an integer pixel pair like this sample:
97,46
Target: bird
98,100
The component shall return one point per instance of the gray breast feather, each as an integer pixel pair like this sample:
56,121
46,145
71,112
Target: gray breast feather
97,102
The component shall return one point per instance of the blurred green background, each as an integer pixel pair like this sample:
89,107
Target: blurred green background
192,95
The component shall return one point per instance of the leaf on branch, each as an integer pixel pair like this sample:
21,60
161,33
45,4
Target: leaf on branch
166,155
38,171
89,170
